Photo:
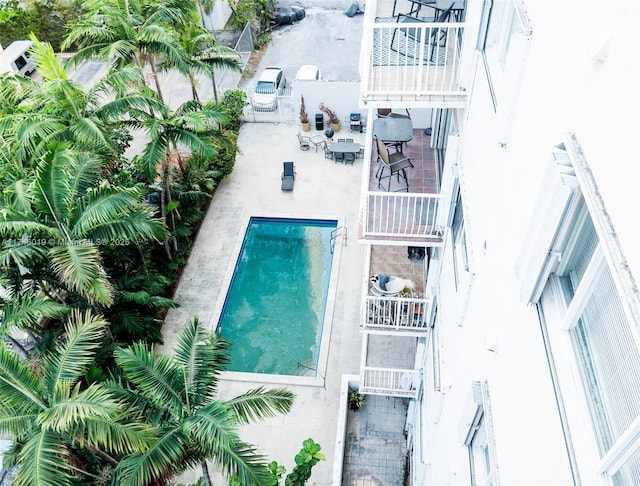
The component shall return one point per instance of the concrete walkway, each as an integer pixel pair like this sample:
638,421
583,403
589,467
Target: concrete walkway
322,189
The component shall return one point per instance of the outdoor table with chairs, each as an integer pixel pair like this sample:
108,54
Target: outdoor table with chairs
393,129
344,151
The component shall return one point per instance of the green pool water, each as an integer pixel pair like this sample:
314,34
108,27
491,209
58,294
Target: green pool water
275,306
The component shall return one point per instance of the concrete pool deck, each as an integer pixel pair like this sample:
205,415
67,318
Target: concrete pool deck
322,188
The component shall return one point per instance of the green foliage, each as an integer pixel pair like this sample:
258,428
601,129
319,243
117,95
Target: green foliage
53,417
232,104
356,399
275,471
257,12
47,19
176,394
308,457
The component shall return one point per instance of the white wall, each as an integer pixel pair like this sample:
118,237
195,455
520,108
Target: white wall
220,15
339,96
563,89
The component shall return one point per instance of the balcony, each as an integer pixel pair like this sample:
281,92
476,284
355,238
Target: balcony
392,325
388,367
413,63
405,315
404,218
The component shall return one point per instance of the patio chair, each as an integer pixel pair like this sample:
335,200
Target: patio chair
395,163
328,154
338,157
435,37
306,142
288,176
349,157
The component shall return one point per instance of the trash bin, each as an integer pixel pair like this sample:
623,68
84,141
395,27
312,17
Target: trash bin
319,121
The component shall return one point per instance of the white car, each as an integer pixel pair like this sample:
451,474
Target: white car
270,82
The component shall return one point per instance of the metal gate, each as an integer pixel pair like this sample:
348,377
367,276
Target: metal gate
284,112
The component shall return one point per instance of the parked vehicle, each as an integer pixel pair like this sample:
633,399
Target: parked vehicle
308,72
270,83
15,58
289,14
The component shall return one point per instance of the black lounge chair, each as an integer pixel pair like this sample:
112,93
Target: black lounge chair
288,176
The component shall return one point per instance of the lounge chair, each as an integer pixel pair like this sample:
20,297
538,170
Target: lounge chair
288,176
389,285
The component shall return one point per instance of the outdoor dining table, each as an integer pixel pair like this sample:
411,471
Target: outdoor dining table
344,147
391,129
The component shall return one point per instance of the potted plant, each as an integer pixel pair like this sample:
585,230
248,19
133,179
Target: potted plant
333,120
356,399
304,118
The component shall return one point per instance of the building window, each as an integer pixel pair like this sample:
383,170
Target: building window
435,349
581,293
572,268
479,457
476,429
460,256
503,24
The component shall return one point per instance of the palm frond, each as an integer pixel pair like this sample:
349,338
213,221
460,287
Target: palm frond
52,191
28,310
43,462
163,456
15,423
84,172
91,133
79,265
93,416
157,376
154,153
47,64
70,408
20,254
20,388
84,332
21,226
214,429
202,358
260,404
118,434
20,193
109,214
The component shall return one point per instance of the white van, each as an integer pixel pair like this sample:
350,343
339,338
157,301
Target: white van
308,72
15,58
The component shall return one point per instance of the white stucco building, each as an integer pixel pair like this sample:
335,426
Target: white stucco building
525,338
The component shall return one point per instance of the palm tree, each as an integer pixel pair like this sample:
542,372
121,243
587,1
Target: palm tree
192,127
52,418
178,395
60,216
59,109
206,55
132,32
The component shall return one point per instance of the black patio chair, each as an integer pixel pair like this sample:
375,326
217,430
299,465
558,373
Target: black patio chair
435,37
288,176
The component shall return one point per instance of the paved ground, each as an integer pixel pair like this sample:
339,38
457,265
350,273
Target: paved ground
375,444
322,189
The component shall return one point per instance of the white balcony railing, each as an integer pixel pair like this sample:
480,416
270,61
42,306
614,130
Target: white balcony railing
391,315
411,62
401,215
390,382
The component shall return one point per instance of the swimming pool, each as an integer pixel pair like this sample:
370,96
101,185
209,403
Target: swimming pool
276,303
